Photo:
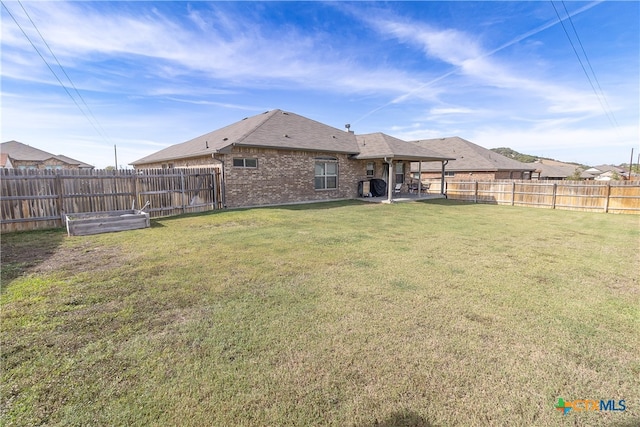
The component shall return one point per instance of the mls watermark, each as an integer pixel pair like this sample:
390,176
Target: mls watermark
581,405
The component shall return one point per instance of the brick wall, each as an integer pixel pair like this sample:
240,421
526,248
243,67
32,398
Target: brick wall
203,162
285,177
36,164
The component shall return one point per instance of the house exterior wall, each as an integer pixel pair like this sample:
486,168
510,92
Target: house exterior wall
285,176
38,164
202,162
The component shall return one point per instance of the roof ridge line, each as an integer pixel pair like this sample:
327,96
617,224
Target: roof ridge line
270,115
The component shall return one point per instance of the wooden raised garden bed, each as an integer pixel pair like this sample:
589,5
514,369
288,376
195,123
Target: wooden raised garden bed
82,224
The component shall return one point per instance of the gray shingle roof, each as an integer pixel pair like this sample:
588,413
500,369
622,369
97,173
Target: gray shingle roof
555,170
19,151
75,162
273,129
379,145
469,157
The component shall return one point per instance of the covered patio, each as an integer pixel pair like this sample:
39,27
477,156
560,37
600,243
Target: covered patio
394,154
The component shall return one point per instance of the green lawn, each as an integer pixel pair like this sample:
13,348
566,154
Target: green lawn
423,314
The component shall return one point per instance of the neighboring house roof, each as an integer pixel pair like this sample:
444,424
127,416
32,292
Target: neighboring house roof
275,129
23,152
610,168
380,145
73,162
606,172
469,157
550,169
19,151
5,161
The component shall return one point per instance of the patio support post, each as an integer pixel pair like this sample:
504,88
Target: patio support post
390,184
419,179
442,188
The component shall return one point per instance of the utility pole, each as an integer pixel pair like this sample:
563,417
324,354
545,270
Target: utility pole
115,153
630,165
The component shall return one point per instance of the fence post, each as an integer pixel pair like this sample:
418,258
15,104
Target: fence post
606,200
513,193
214,190
182,190
134,189
59,189
475,191
553,199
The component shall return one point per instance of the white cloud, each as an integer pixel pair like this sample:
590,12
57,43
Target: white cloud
220,46
439,111
472,61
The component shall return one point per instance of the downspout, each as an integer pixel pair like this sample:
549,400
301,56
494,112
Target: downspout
222,182
443,189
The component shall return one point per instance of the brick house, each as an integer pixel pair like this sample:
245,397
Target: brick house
17,155
279,157
471,162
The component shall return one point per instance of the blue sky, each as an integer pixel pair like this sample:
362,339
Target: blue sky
153,74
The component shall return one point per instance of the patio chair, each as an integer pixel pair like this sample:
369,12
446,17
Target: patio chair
397,189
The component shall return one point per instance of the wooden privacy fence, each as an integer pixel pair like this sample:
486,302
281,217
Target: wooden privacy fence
39,199
611,197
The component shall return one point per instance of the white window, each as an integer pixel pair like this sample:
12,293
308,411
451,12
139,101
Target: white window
326,174
449,173
399,172
245,163
371,168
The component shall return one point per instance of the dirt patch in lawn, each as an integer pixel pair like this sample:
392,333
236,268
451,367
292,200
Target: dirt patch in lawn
21,257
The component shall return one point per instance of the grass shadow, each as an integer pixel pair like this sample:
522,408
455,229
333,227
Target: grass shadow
24,250
307,206
447,202
402,418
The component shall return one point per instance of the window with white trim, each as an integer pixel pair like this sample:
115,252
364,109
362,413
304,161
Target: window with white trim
371,169
245,162
326,174
400,173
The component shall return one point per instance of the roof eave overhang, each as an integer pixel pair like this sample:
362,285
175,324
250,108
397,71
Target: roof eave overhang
168,159
403,157
272,147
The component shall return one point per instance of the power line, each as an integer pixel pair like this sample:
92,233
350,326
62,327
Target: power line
609,116
456,68
93,123
103,133
595,77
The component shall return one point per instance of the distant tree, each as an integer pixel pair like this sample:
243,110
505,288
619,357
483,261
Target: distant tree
110,168
575,176
513,154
